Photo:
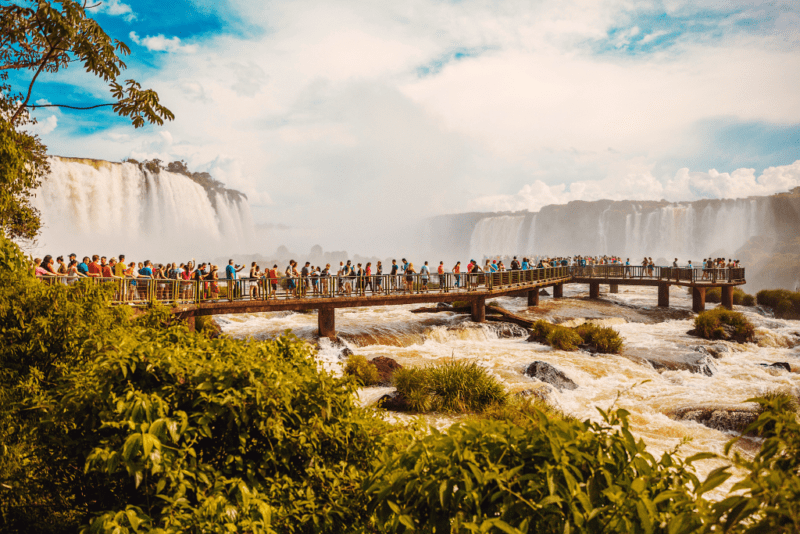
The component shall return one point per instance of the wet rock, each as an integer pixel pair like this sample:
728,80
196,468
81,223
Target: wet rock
341,346
724,418
386,368
508,330
444,305
694,362
544,293
542,393
551,375
715,351
394,401
778,365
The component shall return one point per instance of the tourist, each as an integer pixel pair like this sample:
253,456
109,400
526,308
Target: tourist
231,274
393,273
424,274
378,276
94,267
62,267
457,273
120,268
213,283
368,277
409,274
253,281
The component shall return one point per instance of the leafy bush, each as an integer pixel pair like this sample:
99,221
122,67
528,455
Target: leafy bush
126,424
785,303
456,386
362,370
748,300
563,476
713,294
600,339
721,323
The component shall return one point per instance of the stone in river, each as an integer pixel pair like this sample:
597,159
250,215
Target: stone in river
672,360
386,368
719,417
778,365
547,373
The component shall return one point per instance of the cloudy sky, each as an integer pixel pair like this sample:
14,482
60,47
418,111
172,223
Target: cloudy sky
345,115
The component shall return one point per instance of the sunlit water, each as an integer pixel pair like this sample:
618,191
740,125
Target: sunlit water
603,380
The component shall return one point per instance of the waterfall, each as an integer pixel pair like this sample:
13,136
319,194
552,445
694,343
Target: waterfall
496,236
97,207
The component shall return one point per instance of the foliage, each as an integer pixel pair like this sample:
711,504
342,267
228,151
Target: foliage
48,36
455,386
740,298
785,303
566,476
521,411
23,163
721,323
362,370
600,339
595,338
770,498
123,424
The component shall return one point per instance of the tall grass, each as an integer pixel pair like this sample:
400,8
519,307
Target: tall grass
457,386
361,370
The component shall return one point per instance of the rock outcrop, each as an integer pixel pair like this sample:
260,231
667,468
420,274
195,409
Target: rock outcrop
695,362
725,418
386,368
551,375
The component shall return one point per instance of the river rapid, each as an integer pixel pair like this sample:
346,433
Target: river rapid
653,396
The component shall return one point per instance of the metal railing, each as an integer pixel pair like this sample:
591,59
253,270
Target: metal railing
695,275
176,292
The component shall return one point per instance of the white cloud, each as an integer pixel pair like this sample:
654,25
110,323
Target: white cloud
653,36
159,43
43,127
117,8
685,186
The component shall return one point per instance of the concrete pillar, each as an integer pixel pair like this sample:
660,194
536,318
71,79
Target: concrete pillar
533,297
663,295
594,290
613,288
698,299
727,297
558,291
190,323
326,319
479,310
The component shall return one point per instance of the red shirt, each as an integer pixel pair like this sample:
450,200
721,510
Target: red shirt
94,269
106,271
441,269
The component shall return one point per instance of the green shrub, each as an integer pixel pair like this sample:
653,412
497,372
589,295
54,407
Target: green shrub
563,338
721,323
362,370
456,386
540,330
748,300
785,303
605,340
714,295
562,476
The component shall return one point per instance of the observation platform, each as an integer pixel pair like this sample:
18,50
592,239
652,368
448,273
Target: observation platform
190,299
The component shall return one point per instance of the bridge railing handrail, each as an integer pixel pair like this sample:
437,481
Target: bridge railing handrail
141,290
676,274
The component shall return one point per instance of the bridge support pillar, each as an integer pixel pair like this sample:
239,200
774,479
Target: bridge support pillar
190,323
594,290
698,299
533,297
479,310
727,297
613,288
326,319
558,291
663,295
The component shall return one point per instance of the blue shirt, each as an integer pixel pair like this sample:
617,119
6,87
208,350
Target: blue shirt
83,268
146,271
230,272
524,265
494,267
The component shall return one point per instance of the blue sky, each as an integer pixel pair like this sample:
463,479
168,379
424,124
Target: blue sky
319,110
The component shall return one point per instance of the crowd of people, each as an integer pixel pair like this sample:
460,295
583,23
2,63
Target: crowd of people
344,279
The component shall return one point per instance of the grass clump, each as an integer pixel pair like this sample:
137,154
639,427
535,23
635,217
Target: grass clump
602,339
785,303
596,338
457,386
720,323
361,370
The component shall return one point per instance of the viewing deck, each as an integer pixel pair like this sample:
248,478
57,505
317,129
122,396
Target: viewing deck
190,299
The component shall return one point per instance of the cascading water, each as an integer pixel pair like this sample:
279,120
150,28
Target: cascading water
496,236
97,207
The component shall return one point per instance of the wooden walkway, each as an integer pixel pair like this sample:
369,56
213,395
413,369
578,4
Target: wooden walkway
190,299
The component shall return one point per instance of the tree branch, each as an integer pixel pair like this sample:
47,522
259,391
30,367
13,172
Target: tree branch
30,87
66,106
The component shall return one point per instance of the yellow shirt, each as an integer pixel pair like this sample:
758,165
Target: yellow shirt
119,269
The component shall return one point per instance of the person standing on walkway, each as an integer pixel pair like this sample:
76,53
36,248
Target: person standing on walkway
394,277
231,272
425,275
457,273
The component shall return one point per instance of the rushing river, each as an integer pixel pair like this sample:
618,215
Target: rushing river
629,380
